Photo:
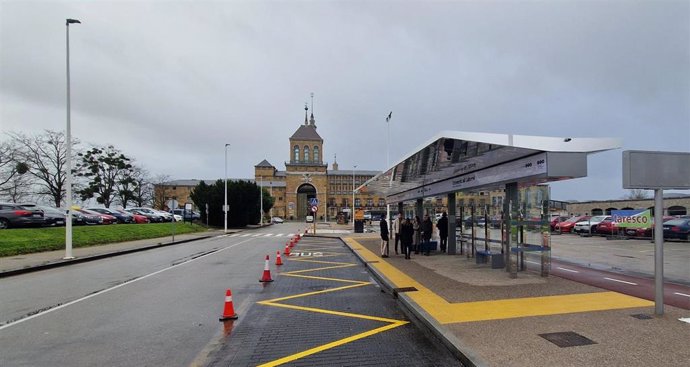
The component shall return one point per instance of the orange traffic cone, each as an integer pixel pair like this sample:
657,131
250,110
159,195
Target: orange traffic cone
287,250
279,260
290,243
228,310
267,273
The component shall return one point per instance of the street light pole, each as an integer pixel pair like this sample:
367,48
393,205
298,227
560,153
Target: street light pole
261,200
388,139
68,158
353,198
225,206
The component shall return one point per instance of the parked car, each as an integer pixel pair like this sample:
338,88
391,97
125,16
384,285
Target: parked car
187,214
677,228
277,220
51,216
557,219
589,225
107,218
167,217
645,232
86,217
567,226
136,218
15,215
121,217
152,216
608,227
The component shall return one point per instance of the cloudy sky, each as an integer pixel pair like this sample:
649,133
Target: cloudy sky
170,82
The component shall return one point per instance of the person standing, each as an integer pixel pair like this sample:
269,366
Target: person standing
384,237
442,226
417,227
397,222
427,229
406,234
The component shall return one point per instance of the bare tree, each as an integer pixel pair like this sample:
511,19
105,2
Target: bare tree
46,157
8,163
18,189
160,191
637,194
143,190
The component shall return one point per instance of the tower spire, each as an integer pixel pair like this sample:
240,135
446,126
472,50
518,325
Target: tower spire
312,121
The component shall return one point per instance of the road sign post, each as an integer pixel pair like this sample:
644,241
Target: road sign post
314,209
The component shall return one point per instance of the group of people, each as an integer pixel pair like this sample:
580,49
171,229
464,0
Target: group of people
410,234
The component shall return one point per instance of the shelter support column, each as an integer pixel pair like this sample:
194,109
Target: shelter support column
419,208
451,224
510,209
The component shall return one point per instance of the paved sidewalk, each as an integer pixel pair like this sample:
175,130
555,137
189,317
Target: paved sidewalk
12,265
497,321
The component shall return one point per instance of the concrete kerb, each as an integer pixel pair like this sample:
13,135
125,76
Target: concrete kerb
422,319
79,260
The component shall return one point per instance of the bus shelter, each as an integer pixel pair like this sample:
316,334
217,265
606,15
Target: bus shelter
520,165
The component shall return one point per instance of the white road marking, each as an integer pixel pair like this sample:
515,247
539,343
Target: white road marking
686,319
279,235
258,235
246,235
268,235
682,294
570,270
116,287
532,262
234,235
620,281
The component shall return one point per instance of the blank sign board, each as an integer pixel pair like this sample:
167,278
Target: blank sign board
656,170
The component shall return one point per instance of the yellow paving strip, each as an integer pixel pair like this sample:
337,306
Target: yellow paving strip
335,265
445,312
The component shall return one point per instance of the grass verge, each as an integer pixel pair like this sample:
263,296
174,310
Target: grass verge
30,240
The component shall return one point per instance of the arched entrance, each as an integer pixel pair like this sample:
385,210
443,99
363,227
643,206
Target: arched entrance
304,193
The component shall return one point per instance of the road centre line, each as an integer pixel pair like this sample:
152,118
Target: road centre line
682,294
570,270
532,262
103,291
620,281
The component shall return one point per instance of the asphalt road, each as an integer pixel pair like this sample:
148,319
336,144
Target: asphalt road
153,308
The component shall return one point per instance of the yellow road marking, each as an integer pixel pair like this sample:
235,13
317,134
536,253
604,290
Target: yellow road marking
334,265
334,344
445,312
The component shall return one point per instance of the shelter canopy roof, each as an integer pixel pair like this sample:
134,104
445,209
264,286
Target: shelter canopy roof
485,159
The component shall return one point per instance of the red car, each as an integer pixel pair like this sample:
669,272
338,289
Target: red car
645,232
608,227
107,218
139,219
568,225
557,219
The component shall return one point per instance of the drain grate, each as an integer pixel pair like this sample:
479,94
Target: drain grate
567,339
642,316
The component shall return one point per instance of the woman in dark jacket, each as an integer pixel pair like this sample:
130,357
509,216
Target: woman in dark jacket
427,229
384,238
406,235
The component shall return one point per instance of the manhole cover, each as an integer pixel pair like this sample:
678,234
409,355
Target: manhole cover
642,316
567,339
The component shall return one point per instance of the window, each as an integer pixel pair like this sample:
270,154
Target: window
370,202
357,202
306,153
382,202
316,153
296,153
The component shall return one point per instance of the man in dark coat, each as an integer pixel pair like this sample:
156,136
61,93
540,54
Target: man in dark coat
442,226
406,234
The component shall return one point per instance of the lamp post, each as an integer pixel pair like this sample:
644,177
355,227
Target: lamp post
353,198
388,138
261,200
225,206
68,158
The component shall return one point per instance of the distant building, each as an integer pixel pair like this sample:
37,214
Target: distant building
306,176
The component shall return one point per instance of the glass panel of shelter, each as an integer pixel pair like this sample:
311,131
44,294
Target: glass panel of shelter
519,230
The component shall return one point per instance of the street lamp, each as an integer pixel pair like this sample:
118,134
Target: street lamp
261,200
353,198
225,206
388,138
68,164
